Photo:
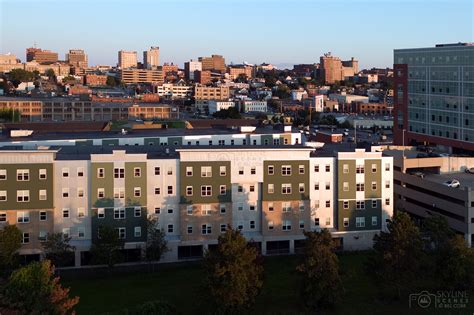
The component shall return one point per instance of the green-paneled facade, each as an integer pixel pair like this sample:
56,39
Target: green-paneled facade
131,182
129,223
277,179
107,182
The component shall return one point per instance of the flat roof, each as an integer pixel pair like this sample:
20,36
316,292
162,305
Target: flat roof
465,179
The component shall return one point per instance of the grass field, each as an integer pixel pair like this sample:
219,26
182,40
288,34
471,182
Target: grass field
181,285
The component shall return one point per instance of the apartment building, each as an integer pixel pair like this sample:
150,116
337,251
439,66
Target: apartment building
221,93
420,188
272,191
152,112
127,59
215,106
434,96
134,76
202,76
95,80
174,91
238,70
253,106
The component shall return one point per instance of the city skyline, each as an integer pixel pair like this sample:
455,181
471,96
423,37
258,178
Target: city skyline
257,36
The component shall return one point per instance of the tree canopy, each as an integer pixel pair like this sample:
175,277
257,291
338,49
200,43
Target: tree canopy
156,244
58,250
106,250
10,243
232,113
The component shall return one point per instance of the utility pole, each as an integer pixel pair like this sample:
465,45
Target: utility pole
403,142
355,133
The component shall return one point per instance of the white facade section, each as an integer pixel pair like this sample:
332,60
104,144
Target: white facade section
215,106
254,106
320,194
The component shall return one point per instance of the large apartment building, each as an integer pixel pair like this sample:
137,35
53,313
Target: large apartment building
127,59
202,92
434,96
133,76
267,184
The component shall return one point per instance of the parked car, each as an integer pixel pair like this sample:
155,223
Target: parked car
454,183
419,174
469,170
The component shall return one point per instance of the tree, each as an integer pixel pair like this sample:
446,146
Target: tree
156,244
455,268
261,116
111,81
107,248
234,274
232,113
397,256
437,232
322,284
10,243
10,114
51,74
58,250
20,75
34,289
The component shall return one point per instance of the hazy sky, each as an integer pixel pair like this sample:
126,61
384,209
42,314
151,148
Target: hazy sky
281,32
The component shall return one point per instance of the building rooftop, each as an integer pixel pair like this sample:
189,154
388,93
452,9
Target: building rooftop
465,179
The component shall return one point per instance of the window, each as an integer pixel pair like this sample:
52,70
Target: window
119,172
374,220
252,207
286,170
189,171
119,213
301,224
270,170
26,238
316,221
42,236
345,204
286,207
387,184
253,170
157,170
42,173
252,225
328,203
81,212
22,195
328,185
286,189
3,195
170,228
65,192
316,204
222,190
316,186
286,225
137,191
251,188
66,232
374,168
328,168
360,204
170,210
223,228
345,186
387,202
190,229
189,210
3,174
22,175
122,233
374,185
270,225
328,221
240,225
222,208
301,187
137,212
119,193
374,203
43,216
316,168
22,217
206,171
189,190
221,142
301,206
271,188
345,168
206,191
100,213
360,222
301,169
100,193
270,206
65,213
80,192
80,172
360,187
65,172
387,166
206,209
100,172
170,190
346,222
222,170
206,228
137,231
360,169
137,172
240,206
241,170
157,190
42,194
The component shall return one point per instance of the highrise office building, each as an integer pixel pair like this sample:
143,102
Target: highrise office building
151,58
190,67
434,96
127,59
77,58
41,56
215,62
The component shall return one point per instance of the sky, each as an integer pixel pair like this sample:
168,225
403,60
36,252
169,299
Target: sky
281,32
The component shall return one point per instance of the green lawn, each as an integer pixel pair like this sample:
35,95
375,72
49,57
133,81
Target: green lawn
181,285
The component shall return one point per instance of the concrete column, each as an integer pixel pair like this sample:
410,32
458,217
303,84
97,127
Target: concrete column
77,258
292,246
264,247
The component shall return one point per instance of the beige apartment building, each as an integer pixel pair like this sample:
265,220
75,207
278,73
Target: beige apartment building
151,58
127,59
211,93
129,76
